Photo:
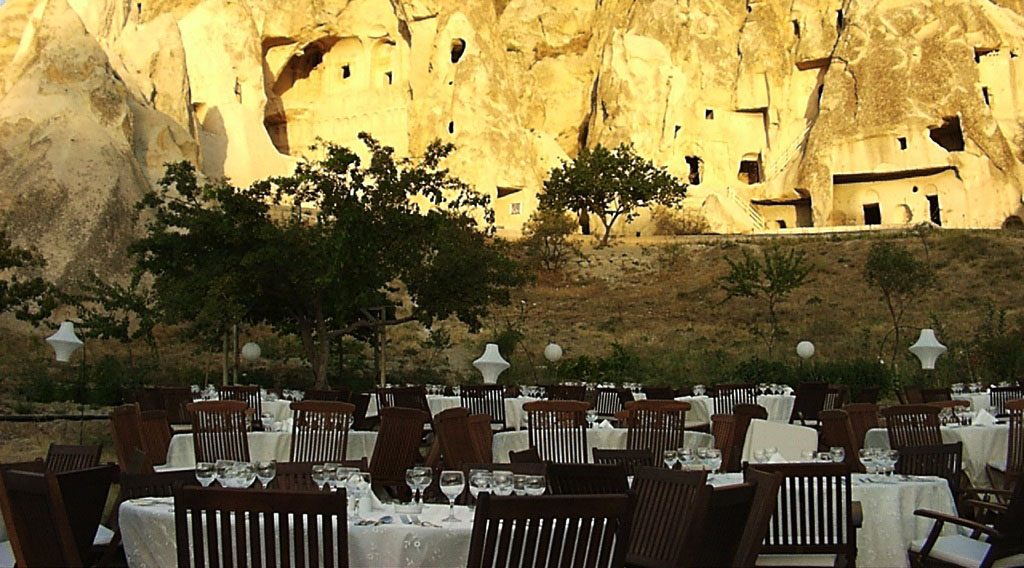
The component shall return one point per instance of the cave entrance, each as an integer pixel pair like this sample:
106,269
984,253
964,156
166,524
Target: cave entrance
949,134
696,167
934,211
872,214
458,49
750,169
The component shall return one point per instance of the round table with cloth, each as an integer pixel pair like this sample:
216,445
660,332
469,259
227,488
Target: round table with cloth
604,438
265,446
280,409
515,418
779,406
978,400
982,445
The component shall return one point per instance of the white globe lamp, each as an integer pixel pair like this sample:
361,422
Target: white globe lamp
491,364
251,351
553,352
805,349
927,349
64,342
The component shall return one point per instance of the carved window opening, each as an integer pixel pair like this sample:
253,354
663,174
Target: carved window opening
780,223
934,211
980,52
985,95
346,71
872,214
451,127
515,209
840,20
676,133
389,78
696,166
750,170
458,49
949,135
709,114
796,28
1013,223
903,142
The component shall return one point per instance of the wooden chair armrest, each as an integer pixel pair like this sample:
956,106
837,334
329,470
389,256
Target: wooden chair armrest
857,512
944,518
997,492
997,507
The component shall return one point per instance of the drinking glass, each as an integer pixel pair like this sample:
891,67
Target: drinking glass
422,476
838,454
246,474
770,452
319,476
206,473
699,390
452,483
759,456
479,480
535,485
714,460
685,457
410,480
591,418
457,390
357,486
867,458
340,476
670,457
265,472
503,483
891,457
519,484
267,419
807,456
221,469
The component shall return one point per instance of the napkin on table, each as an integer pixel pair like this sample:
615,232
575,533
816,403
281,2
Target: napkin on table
984,418
777,458
605,425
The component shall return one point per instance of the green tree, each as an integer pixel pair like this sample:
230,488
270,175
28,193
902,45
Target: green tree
313,253
22,290
610,184
769,279
121,312
546,239
900,278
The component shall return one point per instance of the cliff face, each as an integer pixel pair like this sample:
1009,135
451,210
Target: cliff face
810,113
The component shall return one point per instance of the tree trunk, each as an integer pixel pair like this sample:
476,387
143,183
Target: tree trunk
224,360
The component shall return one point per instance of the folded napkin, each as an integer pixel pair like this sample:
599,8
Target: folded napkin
777,458
605,425
984,418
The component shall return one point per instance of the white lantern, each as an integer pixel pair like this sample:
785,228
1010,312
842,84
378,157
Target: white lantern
553,352
491,364
805,349
927,349
251,351
64,342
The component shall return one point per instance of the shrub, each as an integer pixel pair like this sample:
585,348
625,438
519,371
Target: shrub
674,222
546,239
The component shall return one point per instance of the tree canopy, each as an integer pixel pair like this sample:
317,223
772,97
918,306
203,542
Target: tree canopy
900,277
309,253
610,184
28,295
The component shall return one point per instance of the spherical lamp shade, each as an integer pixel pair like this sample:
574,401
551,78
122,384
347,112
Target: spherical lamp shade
927,349
805,349
251,351
64,342
553,352
491,364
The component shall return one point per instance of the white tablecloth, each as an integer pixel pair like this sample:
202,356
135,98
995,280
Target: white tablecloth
779,406
149,538
266,446
604,438
514,415
889,521
281,410
978,400
982,444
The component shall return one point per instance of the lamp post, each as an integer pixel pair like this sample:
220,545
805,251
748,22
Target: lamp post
64,343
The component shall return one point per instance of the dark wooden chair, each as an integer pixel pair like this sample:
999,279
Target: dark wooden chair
810,400
737,520
397,448
298,476
656,425
61,458
540,468
814,514
940,460
727,396
359,418
744,414
867,395
275,519
837,431
340,394
481,435
250,395
557,429
863,417
628,459
936,395
528,455
219,430
975,545
485,399
1007,474
453,440
940,404
156,435
608,401
999,396
126,427
320,430
550,530
586,479
910,395
658,392
174,401
567,392
835,397
912,425
723,428
685,390
671,509
403,397
135,485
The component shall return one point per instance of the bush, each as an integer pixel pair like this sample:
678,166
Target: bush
546,239
673,222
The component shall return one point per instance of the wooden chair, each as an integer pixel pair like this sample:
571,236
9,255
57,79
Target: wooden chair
156,435
397,448
950,403
867,395
403,397
814,515
126,426
481,435
810,400
728,396
586,479
320,430
340,394
62,458
723,428
528,455
455,440
656,425
540,468
628,459
219,429
136,485
910,395
275,519
174,401
608,401
250,395
936,395
1008,473
999,396
685,390
863,417
485,399
550,530
837,431
359,418
567,392
658,392
557,429
940,460
737,520
671,508
744,414
1003,543
912,425
835,397
298,476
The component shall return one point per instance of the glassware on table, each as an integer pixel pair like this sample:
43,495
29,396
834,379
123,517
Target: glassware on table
838,454
221,468
331,474
823,457
246,474
670,458
535,485
479,480
457,390
503,483
206,473
267,420
452,483
319,474
807,456
760,456
770,452
891,458
957,388
868,458
265,472
699,390
685,457
357,486
519,484
714,460
591,418
340,476
422,476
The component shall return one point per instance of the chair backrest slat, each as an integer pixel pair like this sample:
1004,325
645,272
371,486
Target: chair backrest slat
1015,445
727,396
557,430
586,479
656,425
320,430
912,425
250,395
397,446
219,430
126,426
670,512
999,396
631,460
485,399
61,458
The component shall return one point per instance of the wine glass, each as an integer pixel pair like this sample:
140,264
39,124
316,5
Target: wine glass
535,485
357,486
422,476
340,476
770,452
246,474
452,483
221,469
265,472
503,483
591,418
714,460
410,480
685,457
760,456
891,457
838,454
206,473
670,457
319,475
807,456
867,459
479,480
267,420
519,484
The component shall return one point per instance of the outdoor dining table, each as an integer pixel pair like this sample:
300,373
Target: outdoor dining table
779,406
265,446
982,445
604,438
978,400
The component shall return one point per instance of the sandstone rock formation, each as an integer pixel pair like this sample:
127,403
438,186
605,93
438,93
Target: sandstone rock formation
809,113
